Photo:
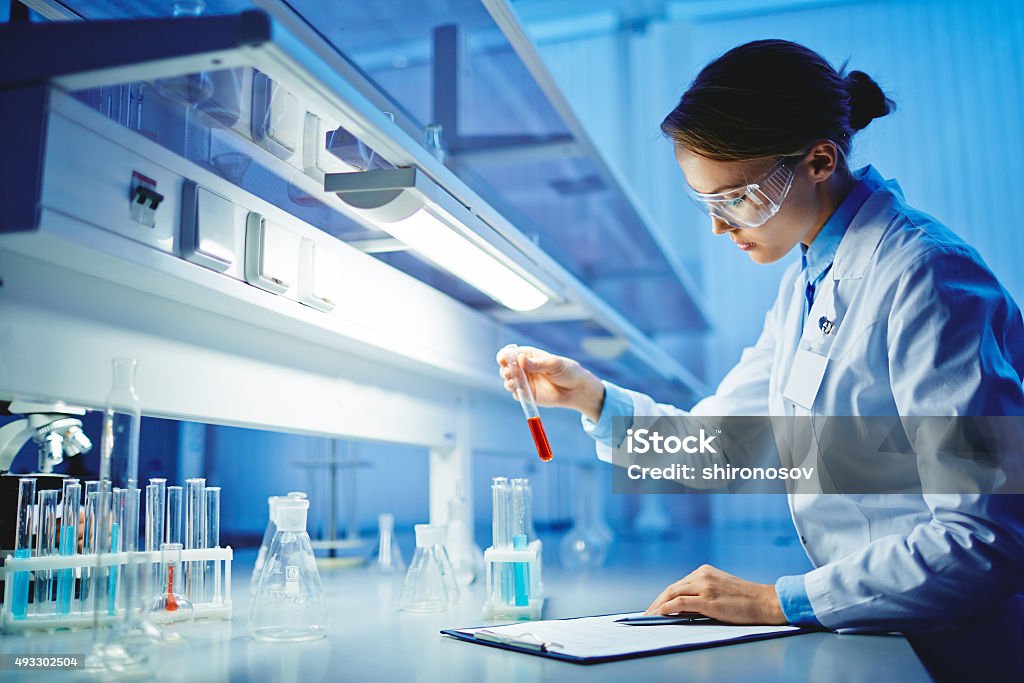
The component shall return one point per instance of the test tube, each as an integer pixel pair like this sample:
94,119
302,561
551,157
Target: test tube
129,597
195,509
526,493
501,530
68,543
90,486
117,503
46,544
100,574
156,512
525,394
89,534
211,578
23,545
174,500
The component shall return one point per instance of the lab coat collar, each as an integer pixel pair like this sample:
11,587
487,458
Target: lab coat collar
868,225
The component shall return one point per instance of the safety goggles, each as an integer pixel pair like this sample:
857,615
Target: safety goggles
750,206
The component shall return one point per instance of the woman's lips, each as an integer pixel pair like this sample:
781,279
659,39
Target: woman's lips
746,246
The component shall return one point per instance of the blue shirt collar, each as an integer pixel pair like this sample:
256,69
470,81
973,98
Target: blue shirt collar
818,257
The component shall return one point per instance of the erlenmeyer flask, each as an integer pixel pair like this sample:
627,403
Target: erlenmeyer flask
268,537
289,603
430,584
388,557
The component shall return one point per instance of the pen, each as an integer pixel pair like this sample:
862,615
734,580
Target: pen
666,620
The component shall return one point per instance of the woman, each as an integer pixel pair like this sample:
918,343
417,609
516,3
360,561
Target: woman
887,313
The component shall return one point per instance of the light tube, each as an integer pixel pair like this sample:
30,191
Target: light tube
433,239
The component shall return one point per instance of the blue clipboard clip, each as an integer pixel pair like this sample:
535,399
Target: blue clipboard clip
526,641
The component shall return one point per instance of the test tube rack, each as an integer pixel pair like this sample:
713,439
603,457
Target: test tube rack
502,560
85,619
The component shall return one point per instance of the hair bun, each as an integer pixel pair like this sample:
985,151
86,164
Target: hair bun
867,101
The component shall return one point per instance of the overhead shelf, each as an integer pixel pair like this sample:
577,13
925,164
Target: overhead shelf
317,80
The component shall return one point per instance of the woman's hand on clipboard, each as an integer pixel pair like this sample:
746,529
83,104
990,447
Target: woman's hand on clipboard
721,596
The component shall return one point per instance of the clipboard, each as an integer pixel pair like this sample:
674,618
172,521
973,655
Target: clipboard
593,640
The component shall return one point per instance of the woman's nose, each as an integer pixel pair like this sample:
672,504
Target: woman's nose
720,227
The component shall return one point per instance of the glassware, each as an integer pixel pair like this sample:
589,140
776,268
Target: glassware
92,501
430,584
524,392
268,537
46,546
156,513
175,495
211,539
289,603
388,556
585,546
195,525
23,545
126,646
170,604
70,507
466,556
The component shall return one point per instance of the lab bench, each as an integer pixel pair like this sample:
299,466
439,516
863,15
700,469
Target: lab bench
370,639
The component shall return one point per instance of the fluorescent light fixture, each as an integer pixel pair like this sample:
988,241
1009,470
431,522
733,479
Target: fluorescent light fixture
414,209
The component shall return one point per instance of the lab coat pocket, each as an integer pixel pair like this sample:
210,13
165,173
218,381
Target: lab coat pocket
805,377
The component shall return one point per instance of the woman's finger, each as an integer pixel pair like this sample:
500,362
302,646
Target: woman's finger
673,590
683,603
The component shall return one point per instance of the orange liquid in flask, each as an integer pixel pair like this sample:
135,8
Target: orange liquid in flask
540,438
171,605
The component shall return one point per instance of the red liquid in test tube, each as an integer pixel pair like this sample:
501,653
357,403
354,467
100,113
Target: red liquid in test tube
540,439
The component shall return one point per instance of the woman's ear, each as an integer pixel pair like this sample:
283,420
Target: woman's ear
824,160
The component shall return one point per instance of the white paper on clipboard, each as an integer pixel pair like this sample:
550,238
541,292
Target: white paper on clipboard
590,637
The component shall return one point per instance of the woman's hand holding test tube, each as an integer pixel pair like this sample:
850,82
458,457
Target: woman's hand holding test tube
556,381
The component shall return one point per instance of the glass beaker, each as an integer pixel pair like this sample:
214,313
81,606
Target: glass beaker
430,584
289,603
388,556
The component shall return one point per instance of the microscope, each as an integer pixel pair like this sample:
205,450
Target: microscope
56,429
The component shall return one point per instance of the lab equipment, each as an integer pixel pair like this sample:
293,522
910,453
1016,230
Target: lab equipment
169,604
89,546
289,603
120,447
156,513
430,584
117,503
56,429
23,544
46,545
174,505
466,556
388,557
195,513
513,562
211,539
268,537
70,507
524,393
585,545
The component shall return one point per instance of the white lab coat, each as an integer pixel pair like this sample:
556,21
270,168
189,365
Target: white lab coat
922,328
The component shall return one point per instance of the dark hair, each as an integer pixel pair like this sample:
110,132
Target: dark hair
772,98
